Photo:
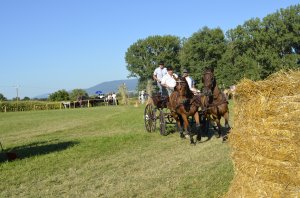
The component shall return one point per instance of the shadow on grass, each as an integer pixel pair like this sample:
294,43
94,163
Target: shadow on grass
35,149
213,131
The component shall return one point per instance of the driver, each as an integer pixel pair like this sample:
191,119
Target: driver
159,72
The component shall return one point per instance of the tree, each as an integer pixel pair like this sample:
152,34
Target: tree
204,48
2,98
143,56
26,98
77,93
283,35
59,95
258,48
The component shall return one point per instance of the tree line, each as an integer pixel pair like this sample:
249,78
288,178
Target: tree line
253,50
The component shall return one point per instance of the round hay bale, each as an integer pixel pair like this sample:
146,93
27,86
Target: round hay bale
266,138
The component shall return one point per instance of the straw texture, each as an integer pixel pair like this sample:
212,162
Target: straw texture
265,141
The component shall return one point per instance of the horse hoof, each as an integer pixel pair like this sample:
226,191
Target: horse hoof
182,136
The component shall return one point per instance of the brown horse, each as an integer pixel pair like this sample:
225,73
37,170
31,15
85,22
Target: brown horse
215,104
182,104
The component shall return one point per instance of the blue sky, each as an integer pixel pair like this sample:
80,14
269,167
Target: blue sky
48,45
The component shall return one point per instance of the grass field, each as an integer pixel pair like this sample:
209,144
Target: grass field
105,152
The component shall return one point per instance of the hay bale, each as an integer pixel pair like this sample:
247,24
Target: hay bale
265,141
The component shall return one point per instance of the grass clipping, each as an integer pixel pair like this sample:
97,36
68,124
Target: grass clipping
265,140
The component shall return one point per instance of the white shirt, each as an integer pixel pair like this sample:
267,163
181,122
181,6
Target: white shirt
160,72
189,81
169,80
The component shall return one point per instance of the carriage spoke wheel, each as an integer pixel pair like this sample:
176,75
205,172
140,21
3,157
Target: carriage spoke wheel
162,123
170,118
150,118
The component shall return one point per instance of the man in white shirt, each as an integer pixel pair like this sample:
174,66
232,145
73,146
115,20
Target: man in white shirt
190,81
159,72
168,81
114,97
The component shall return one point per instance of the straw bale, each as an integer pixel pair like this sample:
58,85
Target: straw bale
265,141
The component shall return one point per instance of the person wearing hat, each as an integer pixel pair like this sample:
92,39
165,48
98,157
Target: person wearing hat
189,79
159,72
168,81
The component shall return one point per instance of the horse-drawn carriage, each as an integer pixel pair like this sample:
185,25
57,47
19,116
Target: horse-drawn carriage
157,110
188,109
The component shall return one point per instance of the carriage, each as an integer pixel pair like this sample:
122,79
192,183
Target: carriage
185,106
157,110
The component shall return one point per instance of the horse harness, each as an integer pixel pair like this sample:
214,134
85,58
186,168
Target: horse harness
224,100
178,100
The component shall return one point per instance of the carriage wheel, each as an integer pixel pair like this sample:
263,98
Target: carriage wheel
150,118
170,118
162,122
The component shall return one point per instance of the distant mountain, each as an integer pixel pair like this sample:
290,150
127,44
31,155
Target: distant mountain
106,87
43,96
112,86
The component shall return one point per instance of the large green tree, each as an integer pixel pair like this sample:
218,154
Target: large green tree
204,48
59,95
143,56
283,37
254,50
258,48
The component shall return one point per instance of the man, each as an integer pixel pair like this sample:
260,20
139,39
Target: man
168,81
189,79
114,97
159,72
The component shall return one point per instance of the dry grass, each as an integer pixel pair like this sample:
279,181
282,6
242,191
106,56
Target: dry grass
266,139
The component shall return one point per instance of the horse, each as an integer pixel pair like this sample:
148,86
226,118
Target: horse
182,104
215,104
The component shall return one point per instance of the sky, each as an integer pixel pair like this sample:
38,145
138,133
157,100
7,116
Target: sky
49,45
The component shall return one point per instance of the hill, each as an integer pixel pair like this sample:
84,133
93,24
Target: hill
106,87
112,86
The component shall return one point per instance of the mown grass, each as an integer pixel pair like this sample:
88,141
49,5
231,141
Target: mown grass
105,152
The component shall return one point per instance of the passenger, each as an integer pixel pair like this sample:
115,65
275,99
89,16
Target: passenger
190,81
168,81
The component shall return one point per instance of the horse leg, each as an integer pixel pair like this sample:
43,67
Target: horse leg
186,128
185,124
226,117
179,125
198,131
219,127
